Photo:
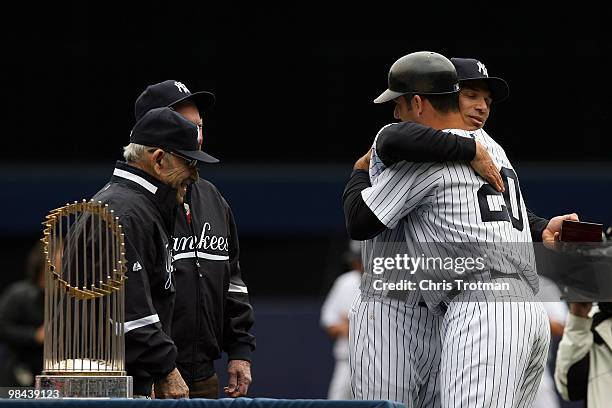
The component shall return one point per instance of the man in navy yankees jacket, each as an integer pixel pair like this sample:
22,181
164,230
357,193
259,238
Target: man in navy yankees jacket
212,311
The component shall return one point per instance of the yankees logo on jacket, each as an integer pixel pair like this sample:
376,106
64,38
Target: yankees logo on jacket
212,313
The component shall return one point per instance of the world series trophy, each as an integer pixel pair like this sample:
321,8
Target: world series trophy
84,347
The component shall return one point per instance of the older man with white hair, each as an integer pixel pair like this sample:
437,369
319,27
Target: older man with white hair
144,193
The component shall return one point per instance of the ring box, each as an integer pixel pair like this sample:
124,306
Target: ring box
576,231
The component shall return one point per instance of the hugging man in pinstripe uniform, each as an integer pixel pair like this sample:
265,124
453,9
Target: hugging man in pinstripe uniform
491,351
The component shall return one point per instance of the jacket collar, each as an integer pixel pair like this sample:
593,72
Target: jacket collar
162,195
604,329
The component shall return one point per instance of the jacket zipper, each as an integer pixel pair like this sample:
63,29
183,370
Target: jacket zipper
189,217
197,330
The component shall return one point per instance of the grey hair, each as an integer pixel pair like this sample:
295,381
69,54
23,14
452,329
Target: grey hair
133,152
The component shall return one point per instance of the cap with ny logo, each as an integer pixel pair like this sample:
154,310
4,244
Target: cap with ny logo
168,93
470,69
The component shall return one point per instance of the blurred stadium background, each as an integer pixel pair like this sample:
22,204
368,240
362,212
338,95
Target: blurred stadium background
294,91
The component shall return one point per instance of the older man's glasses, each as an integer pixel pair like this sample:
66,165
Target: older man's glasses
190,162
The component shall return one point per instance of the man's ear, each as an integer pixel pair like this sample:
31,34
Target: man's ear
156,159
417,105
396,110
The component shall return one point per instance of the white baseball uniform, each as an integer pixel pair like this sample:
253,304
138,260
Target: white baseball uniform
493,350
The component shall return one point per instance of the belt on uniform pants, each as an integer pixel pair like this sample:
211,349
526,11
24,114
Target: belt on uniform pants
494,273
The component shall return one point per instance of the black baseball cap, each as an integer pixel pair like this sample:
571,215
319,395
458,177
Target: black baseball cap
169,93
422,73
472,69
169,130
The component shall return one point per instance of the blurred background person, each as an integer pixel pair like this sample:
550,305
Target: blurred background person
584,359
334,319
556,309
583,370
21,324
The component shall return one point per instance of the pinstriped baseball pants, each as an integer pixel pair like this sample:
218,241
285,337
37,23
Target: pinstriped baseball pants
479,354
493,353
394,352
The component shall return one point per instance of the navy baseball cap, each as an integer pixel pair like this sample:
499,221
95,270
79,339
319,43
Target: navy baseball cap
472,69
169,130
169,93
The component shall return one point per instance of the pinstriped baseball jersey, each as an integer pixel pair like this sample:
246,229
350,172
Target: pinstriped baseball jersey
394,343
440,204
386,244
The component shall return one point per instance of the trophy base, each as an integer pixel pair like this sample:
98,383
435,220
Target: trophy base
87,386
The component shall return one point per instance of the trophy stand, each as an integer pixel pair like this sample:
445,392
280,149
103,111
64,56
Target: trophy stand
84,347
